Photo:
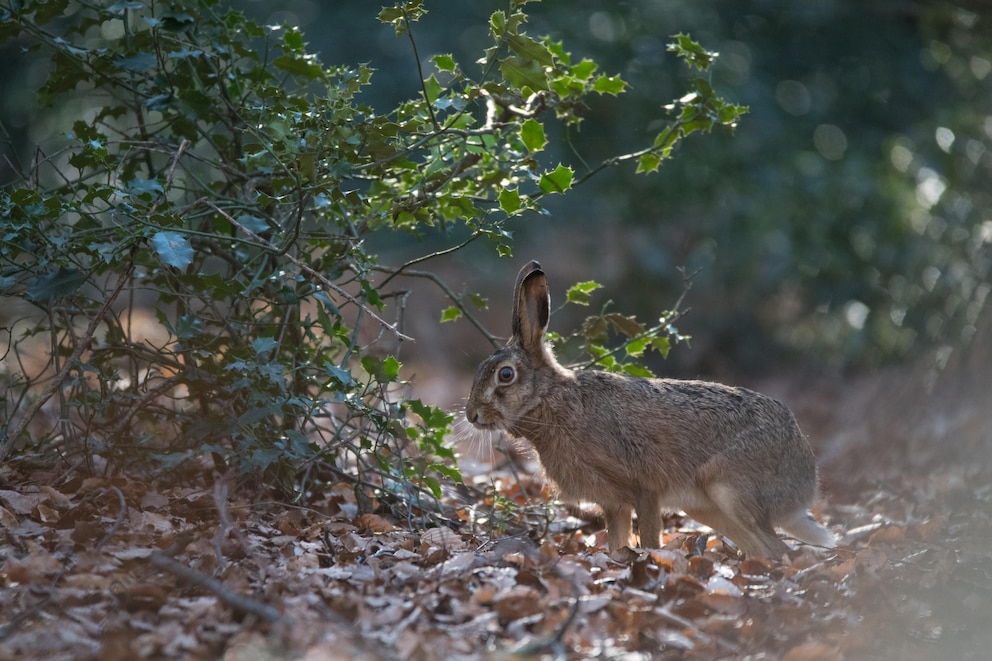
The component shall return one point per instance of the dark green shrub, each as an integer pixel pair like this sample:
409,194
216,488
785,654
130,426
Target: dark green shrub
215,184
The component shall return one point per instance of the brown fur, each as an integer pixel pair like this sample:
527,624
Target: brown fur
730,458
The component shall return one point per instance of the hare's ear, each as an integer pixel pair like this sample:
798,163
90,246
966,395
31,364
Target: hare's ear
531,308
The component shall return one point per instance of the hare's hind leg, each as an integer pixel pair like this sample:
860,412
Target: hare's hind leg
730,515
751,541
801,525
618,525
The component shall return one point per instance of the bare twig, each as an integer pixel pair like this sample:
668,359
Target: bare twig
450,293
84,342
423,258
235,600
121,513
139,403
22,616
220,502
555,642
309,271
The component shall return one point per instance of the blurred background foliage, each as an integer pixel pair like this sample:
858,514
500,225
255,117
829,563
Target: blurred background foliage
845,224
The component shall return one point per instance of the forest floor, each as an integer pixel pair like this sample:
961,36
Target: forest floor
108,568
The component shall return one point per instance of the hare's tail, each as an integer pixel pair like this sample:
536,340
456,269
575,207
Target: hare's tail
805,528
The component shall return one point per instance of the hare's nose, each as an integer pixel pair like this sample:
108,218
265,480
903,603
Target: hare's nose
472,416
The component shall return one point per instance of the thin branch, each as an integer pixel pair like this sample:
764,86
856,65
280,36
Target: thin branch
235,600
139,403
309,271
424,258
121,513
84,342
454,297
420,72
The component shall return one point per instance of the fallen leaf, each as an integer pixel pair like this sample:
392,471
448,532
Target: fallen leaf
444,538
888,535
374,523
813,652
22,503
37,565
153,500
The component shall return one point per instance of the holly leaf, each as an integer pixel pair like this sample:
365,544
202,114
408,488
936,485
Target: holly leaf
532,135
451,314
173,248
580,291
558,180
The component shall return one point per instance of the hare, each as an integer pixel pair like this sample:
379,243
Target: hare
730,458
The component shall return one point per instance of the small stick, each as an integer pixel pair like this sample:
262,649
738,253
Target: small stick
122,512
235,600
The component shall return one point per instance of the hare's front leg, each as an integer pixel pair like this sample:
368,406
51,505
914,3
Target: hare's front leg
618,525
649,522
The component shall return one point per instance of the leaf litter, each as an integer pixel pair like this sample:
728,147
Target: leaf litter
101,568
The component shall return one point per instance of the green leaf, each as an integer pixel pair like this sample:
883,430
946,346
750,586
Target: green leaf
340,375
583,70
137,63
53,286
177,21
612,85
509,200
649,162
530,49
691,52
46,11
557,181
173,248
433,485
302,67
635,348
497,23
444,62
579,293
523,73
451,314
532,135
262,345
432,89
400,14
391,368
637,371
137,186
662,345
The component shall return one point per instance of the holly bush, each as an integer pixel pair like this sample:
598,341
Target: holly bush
190,244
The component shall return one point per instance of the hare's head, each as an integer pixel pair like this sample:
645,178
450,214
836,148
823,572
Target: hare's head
512,381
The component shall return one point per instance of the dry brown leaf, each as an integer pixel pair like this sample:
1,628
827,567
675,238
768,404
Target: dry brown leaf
22,503
700,566
625,554
37,565
888,535
153,500
374,523
813,652
444,538
46,514
674,562
7,519
931,529
517,602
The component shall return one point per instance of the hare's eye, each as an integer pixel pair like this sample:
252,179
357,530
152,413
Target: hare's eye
505,374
